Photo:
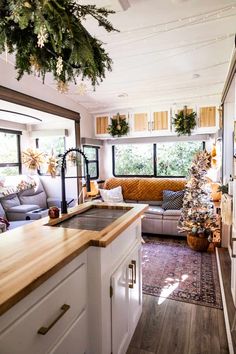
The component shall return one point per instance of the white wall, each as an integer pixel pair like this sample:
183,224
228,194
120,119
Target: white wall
229,118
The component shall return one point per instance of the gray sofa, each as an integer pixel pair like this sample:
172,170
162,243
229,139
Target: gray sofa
156,219
25,206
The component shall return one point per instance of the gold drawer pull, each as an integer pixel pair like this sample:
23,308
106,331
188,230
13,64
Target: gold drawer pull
44,330
135,271
131,266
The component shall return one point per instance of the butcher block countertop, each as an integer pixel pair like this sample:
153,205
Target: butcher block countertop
30,254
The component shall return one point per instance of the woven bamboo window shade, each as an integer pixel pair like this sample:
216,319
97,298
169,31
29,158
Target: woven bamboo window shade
122,116
207,117
188,110
101,125
140,122
160,120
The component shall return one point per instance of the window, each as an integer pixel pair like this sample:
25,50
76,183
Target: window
55,145
10,158
172,159
91,152
133,160
51,145
175,158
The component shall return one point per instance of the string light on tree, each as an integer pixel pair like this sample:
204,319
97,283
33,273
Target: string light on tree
197,215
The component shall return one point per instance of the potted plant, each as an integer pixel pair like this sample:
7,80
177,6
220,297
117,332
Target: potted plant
198,218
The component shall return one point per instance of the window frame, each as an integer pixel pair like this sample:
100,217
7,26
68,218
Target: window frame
18,146
93,161
154,175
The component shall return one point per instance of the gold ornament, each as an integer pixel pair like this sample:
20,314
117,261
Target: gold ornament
27,4
81,89
59,66
213,151
32,158
72,158
52,163
33,62
62,86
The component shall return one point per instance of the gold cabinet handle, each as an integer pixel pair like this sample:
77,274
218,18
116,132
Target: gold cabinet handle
131,285
135,270
44,330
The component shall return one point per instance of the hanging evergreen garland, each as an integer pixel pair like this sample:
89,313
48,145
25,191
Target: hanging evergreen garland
184,122
48,36
119,126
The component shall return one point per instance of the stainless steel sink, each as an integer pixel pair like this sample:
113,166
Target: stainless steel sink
94,219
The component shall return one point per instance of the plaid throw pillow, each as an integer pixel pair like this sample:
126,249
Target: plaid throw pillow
172,200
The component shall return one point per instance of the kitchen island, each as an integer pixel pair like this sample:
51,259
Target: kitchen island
82,287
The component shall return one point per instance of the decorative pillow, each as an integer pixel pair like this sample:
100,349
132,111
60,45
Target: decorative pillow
112,195
172,200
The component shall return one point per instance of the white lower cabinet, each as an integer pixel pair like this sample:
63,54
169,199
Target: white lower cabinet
49,316
73,311
126,301
74,340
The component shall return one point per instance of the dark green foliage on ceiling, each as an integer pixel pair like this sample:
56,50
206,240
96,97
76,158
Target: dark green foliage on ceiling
49,36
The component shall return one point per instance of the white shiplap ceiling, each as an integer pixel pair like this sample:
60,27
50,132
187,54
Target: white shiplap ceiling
167,51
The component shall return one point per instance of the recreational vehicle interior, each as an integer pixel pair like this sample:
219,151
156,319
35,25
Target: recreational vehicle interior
129,245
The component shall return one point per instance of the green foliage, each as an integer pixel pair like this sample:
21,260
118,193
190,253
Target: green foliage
184,122
59,26
223,188
173,159
118,126
134,159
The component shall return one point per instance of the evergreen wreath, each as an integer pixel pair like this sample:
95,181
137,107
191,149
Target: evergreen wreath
48,36
119,126
184,122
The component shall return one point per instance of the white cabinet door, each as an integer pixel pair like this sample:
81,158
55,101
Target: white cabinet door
126,301
120,306
135,292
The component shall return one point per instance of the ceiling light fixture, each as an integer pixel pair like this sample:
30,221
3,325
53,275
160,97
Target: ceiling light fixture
21,114
196,76
123,95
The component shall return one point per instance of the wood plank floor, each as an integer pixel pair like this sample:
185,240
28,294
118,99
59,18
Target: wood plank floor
175,327
225,266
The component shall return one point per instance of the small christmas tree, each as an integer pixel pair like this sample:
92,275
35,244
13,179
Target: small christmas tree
197,216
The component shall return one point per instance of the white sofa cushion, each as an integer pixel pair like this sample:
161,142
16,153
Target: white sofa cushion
112,195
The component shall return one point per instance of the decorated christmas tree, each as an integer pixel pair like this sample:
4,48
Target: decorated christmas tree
197,216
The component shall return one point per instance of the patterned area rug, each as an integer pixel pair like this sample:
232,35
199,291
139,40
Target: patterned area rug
172,270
